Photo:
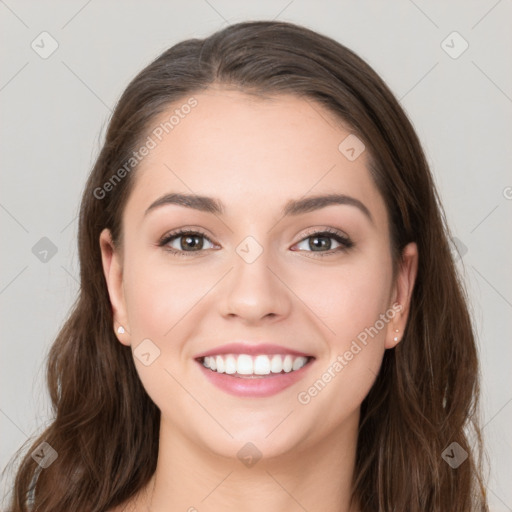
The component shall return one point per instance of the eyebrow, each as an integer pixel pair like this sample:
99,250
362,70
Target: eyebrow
292,207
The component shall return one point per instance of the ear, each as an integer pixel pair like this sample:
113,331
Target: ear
402,294
113,270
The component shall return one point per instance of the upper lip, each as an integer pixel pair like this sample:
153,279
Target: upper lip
251,349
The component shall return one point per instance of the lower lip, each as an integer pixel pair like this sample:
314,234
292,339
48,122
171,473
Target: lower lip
250,387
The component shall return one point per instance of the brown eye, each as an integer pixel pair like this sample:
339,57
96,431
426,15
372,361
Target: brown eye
193,242
183,242
321,242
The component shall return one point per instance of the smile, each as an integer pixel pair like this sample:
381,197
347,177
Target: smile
254,376
254,366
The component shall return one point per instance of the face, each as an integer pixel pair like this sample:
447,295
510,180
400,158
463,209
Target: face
260,285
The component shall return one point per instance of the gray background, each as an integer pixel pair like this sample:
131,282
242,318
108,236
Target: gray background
54,112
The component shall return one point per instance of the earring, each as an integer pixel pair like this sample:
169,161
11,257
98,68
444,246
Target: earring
120,329
396,338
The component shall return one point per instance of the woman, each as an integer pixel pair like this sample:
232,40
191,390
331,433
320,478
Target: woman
269,316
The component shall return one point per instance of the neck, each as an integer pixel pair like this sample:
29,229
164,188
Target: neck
313,477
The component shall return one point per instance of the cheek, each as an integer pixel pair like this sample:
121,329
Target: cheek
353,302
348,298
158,297
158,300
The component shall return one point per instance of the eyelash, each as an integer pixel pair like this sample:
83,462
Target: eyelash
345,242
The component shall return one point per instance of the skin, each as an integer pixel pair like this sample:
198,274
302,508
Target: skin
254,155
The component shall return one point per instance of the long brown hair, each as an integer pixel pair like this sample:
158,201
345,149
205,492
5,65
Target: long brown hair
105,427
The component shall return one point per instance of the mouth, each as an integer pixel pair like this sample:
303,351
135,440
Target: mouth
246,366
253,371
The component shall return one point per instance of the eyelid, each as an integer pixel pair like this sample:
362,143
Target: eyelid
322,230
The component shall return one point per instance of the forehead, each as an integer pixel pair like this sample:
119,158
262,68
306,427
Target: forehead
252,153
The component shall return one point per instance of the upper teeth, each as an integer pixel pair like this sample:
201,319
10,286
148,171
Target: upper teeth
244,364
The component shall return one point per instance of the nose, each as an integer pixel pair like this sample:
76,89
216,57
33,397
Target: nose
254,290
